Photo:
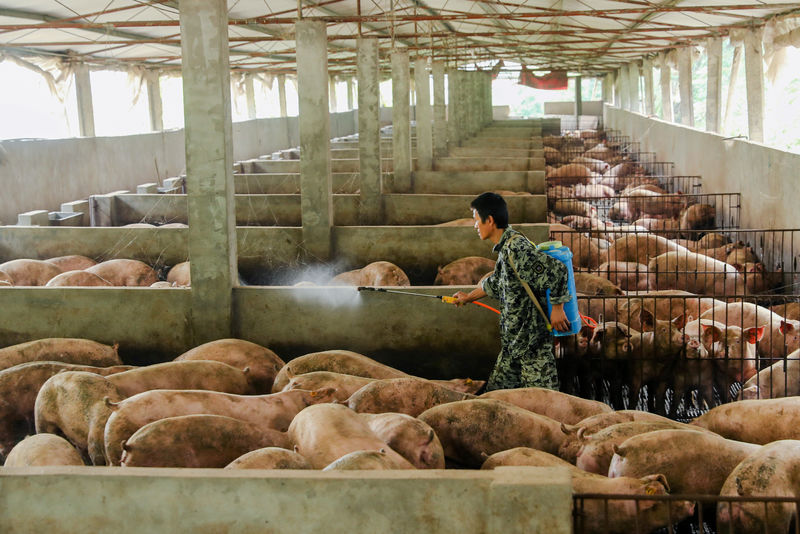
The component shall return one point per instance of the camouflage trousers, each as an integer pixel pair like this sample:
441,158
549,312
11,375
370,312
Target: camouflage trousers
514,370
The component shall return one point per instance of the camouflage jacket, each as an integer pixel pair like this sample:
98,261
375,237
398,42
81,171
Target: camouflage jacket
521,324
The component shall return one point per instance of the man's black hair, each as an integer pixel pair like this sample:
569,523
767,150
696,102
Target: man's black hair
491,204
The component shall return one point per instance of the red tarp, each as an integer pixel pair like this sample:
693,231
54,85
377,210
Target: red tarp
554,80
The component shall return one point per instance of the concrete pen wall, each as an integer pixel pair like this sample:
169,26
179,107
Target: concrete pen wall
44,173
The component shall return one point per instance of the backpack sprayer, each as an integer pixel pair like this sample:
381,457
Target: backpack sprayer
443,298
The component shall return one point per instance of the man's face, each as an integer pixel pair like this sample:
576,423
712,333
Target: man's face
483,228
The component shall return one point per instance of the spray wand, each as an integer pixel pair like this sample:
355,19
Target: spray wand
443,298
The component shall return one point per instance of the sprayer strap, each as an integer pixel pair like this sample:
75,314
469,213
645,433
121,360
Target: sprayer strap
525,284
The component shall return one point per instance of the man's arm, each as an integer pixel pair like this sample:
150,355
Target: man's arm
558,318
472,296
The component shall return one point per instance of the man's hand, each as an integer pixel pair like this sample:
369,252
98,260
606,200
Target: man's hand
559,319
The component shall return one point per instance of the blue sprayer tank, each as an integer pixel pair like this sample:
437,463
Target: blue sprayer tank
558,251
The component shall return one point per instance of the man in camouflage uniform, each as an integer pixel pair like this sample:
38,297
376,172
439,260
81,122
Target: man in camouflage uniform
526,358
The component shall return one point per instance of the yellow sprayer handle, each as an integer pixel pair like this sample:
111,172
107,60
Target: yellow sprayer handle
449,300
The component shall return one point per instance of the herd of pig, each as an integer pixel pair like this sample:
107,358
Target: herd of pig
76,270
234,404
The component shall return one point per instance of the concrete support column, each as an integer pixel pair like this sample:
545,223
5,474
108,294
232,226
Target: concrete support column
332,94
617,87
754,73
369,132
474,105
578,101
401,122
424,116
489,101
649,97
666,90
250,93
209,166
624,88
633,85
154,101
452,104
735,65
83,90
714,85
685,82
608,88
282,93
349,94
439,111
315,133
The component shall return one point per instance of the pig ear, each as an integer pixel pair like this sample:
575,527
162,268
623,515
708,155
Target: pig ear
618,451
679,321
754,334
431,435
652,480
646,318
289,372
710,331
582,433
568,429
785,327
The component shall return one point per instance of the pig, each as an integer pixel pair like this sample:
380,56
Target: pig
558,191
72,263
597,516
781,379
180,275
124,272
594,165
25,380
409,395
664,227
43,449
571,206
60,349
599,151
621,170
732,347
366,461
787,310
551,155
621,211
591,284
697,217
344,385
270,458
585,250
770,471
641,248
74,404
664,305
471,428
464,271
409,437
579,222
758,280
337,361
694,462
628,276
26,272
570,174
642,201
325,432
596,451
712,240
196,441
695,273
162,285
5,279
262,364
780,337
593,191
634,188
77,279
200,374
553,404
173,225
379,273
744,420
273,411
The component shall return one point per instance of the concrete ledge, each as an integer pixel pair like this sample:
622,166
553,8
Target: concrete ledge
100,499
33,218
